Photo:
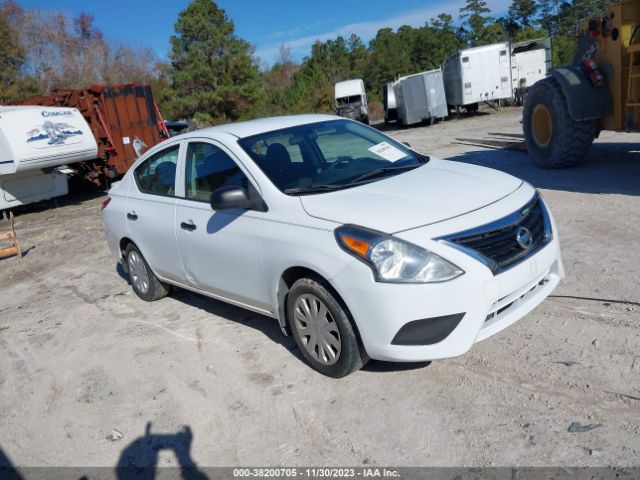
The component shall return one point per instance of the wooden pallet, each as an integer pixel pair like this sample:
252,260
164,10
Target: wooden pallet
15,249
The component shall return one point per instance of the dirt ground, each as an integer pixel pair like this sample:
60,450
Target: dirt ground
86,367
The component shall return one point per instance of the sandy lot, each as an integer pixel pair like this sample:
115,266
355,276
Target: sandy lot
83,360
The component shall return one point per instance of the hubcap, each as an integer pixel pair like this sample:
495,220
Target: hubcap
138,272
317,329
542,125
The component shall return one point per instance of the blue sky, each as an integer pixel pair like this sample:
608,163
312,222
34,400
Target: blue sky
266,24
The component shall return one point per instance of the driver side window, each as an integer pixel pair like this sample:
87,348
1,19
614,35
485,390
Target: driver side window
208,168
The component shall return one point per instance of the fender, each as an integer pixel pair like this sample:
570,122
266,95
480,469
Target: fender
584,101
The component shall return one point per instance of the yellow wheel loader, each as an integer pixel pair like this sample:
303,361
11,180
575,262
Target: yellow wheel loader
599,91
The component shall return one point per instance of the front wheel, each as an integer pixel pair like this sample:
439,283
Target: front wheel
322,330
554,139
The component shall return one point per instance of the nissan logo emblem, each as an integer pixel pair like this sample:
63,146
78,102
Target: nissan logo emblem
524,238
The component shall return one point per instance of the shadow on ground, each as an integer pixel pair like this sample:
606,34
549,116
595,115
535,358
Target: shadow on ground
139,459
266,325
395,125
609,168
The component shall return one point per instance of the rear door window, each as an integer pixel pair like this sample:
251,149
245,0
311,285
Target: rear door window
157,174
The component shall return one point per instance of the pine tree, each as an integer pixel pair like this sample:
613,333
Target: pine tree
213,73
479,27
523,12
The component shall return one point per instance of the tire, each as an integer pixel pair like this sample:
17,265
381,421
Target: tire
143,281
347,356
565,142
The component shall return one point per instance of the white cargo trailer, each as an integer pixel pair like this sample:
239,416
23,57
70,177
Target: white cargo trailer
420,97
389,102
35,142
479,74
530,62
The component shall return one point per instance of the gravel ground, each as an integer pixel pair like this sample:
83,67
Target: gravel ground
86,367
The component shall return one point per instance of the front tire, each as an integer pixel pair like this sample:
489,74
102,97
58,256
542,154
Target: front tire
554,139
322,330
143,281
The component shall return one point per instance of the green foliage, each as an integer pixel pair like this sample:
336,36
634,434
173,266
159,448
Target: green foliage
12,57
479,28
212,77
212,70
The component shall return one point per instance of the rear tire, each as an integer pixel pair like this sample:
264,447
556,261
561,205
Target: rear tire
322,330
554,139
143,281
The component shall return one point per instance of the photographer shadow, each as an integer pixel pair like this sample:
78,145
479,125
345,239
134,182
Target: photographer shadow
139,459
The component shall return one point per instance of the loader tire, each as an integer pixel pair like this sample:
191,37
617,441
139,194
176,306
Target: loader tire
554,139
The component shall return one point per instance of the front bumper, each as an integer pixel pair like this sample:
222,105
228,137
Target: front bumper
489,303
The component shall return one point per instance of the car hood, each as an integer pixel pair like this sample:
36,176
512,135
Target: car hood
437,191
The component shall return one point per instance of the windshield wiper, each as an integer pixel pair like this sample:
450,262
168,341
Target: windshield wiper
313,189
380,171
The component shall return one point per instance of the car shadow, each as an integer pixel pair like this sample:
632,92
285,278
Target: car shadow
268,326
612,168
378,366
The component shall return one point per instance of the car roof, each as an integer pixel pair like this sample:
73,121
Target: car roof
261,125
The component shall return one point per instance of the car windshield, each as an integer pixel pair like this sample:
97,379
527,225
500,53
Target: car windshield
329,155
343,101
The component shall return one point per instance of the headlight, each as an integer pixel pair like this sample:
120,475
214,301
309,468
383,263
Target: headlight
394,260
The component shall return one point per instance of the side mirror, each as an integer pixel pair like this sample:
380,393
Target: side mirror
407,144
228,198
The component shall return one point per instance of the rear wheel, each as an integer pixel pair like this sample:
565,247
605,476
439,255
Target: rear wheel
554,139
322,330
143,281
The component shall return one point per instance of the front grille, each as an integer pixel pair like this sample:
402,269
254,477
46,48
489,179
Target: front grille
497,243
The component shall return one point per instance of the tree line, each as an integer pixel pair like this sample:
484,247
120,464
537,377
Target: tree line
212,76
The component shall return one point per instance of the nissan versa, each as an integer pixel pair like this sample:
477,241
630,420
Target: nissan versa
359,246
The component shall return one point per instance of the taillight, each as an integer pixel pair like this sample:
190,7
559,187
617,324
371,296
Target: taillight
593,73
106,202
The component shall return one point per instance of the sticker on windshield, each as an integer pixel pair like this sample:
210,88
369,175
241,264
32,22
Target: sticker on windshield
387,151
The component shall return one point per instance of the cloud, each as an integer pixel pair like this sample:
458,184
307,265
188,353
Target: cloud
300,47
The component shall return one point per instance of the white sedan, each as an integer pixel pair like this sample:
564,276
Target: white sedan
357,245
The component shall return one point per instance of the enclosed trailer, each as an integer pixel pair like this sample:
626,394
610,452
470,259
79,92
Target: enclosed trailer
389,102
421,97
124,120
530,62
35,142
351,100
479,74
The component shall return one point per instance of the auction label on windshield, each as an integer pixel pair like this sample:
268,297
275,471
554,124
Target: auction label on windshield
387,151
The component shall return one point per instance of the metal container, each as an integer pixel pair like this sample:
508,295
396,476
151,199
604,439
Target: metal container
421,97
530,62
479,74
389,102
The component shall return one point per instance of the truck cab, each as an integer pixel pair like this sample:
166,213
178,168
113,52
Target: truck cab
351,100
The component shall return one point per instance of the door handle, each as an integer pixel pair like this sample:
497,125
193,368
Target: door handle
132,215
188,226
